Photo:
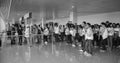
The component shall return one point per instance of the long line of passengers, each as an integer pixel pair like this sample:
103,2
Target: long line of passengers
105,36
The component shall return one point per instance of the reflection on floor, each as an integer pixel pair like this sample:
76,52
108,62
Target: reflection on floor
57,53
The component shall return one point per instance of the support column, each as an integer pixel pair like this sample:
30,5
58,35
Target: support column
73,13
43,16
53,13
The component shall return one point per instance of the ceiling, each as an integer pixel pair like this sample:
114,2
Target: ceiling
83,6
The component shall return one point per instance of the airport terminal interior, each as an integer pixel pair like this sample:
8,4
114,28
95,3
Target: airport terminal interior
59,31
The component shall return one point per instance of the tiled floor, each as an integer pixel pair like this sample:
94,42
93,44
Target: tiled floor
57,53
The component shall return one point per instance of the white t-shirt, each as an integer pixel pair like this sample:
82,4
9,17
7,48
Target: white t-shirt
116,29
104,32
80,32
27,32
61,30
46,31
67,31
110,31
89,34
56,30
73,32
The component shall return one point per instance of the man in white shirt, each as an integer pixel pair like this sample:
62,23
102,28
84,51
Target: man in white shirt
68,35
62,30
46,33
73,33
104,34
83,36
27,32
89,39
56,32
110,36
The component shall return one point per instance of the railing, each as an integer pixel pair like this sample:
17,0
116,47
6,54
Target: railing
33,38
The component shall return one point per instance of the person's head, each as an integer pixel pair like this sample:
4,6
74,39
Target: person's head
80,26
83,23
117,25
103,24
88,25
107,22
56,24
114,25
60,26
111,24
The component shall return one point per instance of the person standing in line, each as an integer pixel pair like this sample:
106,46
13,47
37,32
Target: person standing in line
46,33
61,29
116,35
79,37
67,33
110,36
56,32
20,34
104,35
73,33
83,35
27,32
13,34
39,34
96,35
89,39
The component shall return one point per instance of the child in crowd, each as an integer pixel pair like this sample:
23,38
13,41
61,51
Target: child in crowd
61,30
85,35
116,35
104,35
56,32
73,33
88,39
46,34
96,35
27,34
67,33
110,36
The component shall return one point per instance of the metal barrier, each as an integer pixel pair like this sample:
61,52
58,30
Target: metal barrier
33,38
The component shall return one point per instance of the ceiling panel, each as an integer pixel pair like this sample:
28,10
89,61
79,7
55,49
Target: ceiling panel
83,6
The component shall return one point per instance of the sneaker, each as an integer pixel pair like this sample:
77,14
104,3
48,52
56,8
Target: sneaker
73,45
102,50
79,45
96,46
81,51
87,54
46,43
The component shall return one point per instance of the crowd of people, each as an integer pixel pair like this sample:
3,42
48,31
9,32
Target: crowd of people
105,36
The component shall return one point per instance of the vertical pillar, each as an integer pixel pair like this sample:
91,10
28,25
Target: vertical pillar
43,16
73,13
53,13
